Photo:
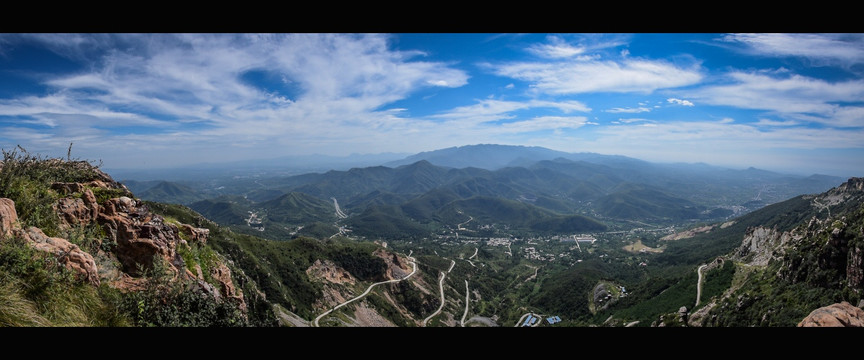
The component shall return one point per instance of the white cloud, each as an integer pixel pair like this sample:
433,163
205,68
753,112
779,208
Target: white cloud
574,77
843,48
628,110
556,51
491,110
165,83
510,86
793,95
679,102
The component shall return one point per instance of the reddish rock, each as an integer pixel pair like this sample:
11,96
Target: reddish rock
855,268
836,315
8,217
68,188
222,274
68,254
195,234
73,212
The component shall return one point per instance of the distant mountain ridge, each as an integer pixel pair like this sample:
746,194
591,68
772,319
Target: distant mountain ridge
416,195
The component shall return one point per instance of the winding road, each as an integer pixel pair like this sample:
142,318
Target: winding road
467,299
441,287
699,285
413,262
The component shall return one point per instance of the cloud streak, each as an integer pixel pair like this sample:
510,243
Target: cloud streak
576,77
165,80
628,110
792,96
841,48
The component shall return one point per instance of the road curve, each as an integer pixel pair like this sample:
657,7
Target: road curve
699,285
441,287
413,262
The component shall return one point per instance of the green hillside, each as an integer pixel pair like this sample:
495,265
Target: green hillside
170,192
297,208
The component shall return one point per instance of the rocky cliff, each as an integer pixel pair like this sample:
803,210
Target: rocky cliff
782,276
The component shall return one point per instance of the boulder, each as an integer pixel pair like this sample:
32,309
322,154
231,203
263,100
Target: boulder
836,315
8,217
70,255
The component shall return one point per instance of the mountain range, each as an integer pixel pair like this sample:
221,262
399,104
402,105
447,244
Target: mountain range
434,189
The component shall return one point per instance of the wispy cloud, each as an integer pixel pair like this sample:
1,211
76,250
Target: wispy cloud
162,81
628,110
842,48
574,77
492,110
556,51
792,95
730,144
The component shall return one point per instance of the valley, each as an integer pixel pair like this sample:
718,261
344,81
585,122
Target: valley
525,238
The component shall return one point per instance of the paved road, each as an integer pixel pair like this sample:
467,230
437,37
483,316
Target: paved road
475,254
441,287
339,212
413,262
467,299
699,285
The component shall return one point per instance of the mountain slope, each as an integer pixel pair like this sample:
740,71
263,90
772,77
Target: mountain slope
297,208
636,202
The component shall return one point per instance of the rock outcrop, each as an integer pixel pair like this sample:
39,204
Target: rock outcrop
396,268
761,244
836,315
330,272
77,211
855,268
70,255
221,274
140,235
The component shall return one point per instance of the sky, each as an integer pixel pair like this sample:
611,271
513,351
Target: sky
792,103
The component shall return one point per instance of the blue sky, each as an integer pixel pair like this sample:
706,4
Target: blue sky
783,102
